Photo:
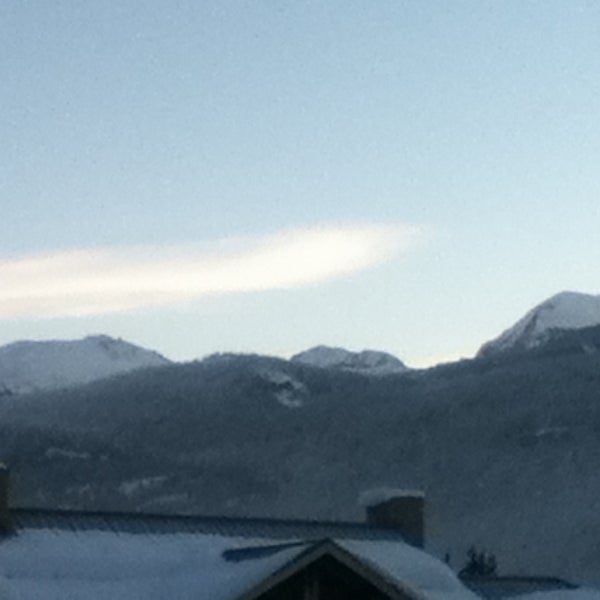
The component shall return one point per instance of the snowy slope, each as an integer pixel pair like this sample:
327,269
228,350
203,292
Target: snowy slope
369,362
567,310
30,365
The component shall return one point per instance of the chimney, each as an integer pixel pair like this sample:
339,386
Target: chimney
5,521
400,510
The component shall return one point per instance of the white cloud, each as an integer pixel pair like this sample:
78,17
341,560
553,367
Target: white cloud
91,282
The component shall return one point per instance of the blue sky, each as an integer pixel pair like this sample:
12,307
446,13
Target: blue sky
428,170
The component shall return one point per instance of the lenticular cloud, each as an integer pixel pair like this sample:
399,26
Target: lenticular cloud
92,282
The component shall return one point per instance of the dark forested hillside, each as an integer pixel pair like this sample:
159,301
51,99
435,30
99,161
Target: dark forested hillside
507,450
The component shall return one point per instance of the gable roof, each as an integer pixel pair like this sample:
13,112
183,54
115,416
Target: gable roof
394,590
60,555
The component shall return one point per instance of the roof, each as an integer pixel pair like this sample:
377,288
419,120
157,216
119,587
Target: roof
63,556
410,567
510,586
578,594
393,588
144,523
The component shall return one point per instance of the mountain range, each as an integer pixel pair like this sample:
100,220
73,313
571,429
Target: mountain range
28,366
505,446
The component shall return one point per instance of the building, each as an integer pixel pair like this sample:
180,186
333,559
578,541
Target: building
97,556
510,586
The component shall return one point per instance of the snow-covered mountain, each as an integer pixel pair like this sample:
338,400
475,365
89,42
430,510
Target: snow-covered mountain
26,366
500,448
369,362
567,310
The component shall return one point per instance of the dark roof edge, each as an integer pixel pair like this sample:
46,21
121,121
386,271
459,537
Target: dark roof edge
520,579
190,519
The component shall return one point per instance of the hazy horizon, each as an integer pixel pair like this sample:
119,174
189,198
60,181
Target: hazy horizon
406,177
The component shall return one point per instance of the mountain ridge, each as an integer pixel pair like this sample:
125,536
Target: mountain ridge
26,366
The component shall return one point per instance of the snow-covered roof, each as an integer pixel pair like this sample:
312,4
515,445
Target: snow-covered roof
410,567
100,565
579,594
65,564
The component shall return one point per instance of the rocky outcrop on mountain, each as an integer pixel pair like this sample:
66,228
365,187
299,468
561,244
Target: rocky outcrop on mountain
368,362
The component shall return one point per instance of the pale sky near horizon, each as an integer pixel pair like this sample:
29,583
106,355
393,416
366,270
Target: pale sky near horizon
267,176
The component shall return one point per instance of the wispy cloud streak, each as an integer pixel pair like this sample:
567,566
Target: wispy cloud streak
90,282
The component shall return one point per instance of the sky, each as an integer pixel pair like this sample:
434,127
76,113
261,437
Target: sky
202,177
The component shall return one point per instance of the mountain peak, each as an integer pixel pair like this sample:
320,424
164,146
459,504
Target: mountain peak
565,310
26,366
369,362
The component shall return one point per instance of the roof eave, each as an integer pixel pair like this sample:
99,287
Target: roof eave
393,590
